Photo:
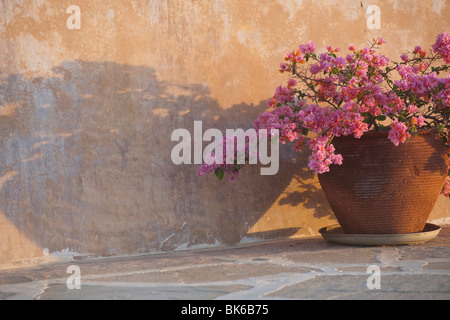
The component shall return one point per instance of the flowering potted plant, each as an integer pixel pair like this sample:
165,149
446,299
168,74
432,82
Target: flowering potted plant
374,127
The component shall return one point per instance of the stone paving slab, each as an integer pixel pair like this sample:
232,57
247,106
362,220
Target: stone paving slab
164,292
353,287
304,268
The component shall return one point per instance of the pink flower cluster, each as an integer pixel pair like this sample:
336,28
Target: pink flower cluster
336,123
228,167
322,155
297,56
281,118
420,85
398,133
442,46
342,122
446,188
428,87
230,170
442,97
282,95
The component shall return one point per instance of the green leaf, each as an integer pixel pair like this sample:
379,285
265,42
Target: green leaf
219,173
368,118
381,117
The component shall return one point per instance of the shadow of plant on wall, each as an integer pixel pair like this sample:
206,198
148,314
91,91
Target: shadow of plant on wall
307,192
86,163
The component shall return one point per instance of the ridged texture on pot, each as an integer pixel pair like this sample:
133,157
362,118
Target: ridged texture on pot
384,189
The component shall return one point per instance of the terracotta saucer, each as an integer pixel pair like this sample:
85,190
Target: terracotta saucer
335,234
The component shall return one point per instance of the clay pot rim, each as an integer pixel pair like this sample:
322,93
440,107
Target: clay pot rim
385,133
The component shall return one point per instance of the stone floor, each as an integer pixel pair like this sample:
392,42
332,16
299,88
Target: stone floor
305,268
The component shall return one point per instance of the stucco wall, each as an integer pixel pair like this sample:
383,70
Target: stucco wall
86,117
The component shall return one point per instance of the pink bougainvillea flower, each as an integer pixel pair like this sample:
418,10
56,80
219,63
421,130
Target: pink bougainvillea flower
398,133
420,121
310,47
412,108
322,155
442,46
446,189
291,83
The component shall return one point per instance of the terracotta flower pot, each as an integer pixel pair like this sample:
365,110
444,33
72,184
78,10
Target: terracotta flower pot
384,189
